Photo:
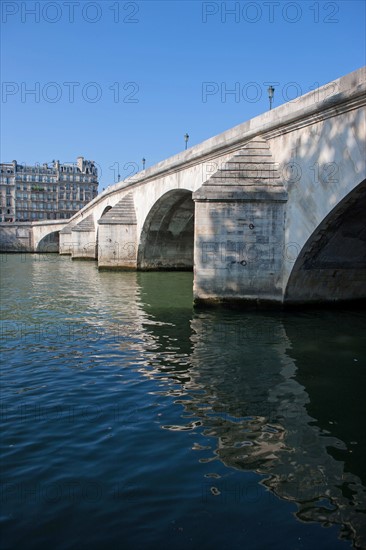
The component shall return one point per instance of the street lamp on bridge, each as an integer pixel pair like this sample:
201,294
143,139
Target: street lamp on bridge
186,138
270,96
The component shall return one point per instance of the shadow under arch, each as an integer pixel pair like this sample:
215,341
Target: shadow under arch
107,209
331,267
49,243
167,237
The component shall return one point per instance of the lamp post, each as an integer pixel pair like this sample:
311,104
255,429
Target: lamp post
186,138
143,163
270,96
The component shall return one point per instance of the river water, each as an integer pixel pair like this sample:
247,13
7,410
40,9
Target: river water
131,420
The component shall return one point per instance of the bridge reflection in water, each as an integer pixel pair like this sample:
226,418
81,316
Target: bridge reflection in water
224,421
280,395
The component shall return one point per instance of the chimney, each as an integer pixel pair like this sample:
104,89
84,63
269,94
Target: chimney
80,163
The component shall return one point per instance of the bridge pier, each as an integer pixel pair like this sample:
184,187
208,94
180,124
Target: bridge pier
83,240
117,246
65,242
239,231
117,237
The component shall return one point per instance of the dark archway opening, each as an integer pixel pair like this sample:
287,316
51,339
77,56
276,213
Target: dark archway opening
107,209
332,265
49,243
168,234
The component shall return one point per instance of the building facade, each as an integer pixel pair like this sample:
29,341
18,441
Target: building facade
46,192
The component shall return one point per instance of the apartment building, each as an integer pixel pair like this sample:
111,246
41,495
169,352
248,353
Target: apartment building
50,191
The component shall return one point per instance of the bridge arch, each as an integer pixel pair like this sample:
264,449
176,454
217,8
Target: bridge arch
167,236
106,209
49,243
331,266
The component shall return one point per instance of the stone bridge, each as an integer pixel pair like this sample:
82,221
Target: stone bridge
42,236
270,211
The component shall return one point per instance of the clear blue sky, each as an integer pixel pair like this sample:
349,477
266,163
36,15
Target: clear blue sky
116,81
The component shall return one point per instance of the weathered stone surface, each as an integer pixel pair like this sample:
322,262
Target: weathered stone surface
85,226
123,213
65,240
66,230
252,165
239,232
83,246
117,236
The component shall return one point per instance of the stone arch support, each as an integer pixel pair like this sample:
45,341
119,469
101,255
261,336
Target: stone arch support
84,240
167,235
240,220
117,236
65,240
